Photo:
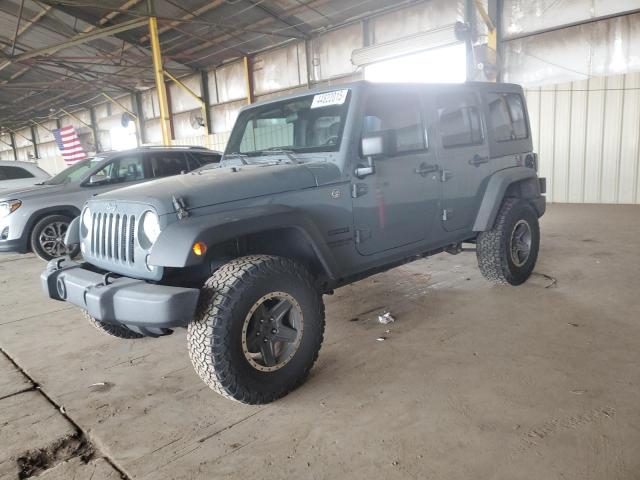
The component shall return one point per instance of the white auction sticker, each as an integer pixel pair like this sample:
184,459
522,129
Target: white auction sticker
337,97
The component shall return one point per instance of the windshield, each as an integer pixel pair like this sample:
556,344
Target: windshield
75,172
313,123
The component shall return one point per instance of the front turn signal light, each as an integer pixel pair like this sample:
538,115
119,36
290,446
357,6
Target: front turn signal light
199,248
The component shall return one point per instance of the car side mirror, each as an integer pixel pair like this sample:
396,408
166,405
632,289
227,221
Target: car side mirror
97,179
379,144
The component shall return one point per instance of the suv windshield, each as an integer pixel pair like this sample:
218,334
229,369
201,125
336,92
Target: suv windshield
313,123
75,172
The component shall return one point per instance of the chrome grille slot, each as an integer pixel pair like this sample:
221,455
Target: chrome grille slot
123,238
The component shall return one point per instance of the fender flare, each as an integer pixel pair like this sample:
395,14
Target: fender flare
495,192
173,248
46,211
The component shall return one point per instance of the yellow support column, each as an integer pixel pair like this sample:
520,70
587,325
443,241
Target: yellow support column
247,78
160,86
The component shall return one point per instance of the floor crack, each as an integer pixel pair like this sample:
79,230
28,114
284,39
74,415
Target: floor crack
78,445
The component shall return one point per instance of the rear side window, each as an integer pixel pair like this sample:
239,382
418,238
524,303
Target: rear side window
167,164
459,120
3,176
398,113
506,114
16,173
206,158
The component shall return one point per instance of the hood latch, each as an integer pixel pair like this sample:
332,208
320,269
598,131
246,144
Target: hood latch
181,207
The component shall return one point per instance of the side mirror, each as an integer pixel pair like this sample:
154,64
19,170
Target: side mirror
97,179
378,144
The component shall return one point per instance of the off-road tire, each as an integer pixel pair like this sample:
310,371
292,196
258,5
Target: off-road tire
493,246
215,334
37,230
111,329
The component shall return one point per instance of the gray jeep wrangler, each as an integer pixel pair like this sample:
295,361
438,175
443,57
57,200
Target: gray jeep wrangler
316,190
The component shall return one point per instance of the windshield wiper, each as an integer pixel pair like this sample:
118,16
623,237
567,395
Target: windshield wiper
281,151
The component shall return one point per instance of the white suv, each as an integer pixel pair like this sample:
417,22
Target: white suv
20,174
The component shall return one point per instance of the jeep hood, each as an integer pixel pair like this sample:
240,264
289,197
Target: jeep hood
220,185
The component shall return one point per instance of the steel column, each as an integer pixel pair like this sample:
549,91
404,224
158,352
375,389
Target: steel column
160,85
137,106
34,141
13,145
204,88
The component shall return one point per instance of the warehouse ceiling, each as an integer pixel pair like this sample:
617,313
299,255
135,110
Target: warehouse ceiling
194,35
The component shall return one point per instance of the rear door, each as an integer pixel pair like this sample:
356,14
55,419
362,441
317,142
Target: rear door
396,205
463,155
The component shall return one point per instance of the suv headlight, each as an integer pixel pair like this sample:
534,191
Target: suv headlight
6,208
150,229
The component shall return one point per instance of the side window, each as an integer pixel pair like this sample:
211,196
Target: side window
3,175
122,170
459,120
499,117
507,116
168,163
399,114
16,173
205,158
516,109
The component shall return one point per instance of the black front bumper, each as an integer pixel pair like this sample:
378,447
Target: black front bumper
127,301
18,245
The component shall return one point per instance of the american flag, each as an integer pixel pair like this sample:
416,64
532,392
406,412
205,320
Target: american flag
69,144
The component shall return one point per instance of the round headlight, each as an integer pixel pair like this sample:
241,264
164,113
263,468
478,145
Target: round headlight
150,228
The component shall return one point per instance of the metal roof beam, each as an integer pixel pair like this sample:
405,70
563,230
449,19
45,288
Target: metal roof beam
82,38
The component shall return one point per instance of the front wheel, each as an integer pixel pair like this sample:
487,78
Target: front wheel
258,328
47,238
508,252
111,329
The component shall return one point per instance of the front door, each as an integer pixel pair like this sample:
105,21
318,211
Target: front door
395,205
463,155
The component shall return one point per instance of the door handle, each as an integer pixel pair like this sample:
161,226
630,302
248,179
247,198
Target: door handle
478,160
425,169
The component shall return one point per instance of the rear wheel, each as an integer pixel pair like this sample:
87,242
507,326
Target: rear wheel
258,329
47,238
508,252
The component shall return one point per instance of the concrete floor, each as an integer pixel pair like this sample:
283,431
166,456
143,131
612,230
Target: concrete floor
472,381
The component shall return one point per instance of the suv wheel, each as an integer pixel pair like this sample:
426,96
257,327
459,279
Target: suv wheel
258,328
113,330
47,238
507,253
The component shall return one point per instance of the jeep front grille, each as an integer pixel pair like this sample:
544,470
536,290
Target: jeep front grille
111,242
113,237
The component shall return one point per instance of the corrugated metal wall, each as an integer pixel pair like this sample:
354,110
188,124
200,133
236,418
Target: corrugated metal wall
587,134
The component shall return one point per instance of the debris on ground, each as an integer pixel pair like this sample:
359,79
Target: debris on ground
101,386
386,318
381,339
552,280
